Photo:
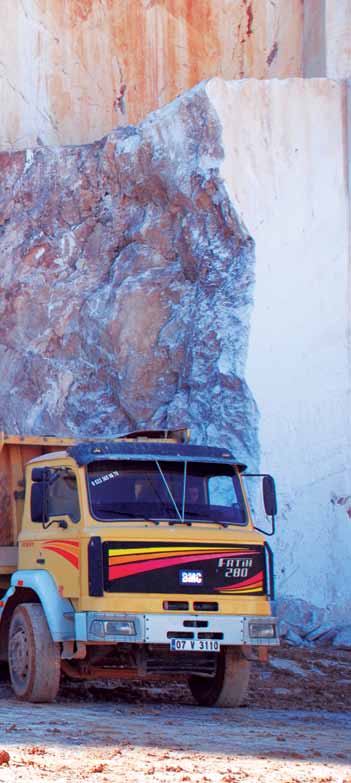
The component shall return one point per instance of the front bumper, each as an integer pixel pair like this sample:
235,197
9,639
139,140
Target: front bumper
108,627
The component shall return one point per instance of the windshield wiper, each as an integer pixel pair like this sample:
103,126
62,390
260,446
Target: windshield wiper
129,514
205,519
170,495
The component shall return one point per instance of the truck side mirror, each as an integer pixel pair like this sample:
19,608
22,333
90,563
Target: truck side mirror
38,502
269,496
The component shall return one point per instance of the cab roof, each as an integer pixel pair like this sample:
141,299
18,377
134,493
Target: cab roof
85,453
170,445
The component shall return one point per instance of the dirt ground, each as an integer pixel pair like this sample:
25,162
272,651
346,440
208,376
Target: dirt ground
295,727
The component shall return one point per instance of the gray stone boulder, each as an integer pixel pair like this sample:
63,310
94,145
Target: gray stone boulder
342,638
297,617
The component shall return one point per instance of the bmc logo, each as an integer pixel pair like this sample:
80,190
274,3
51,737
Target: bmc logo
191,577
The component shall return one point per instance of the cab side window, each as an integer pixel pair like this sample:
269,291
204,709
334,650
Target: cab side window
54,494
63,497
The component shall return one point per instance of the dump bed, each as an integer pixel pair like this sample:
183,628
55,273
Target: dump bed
15,452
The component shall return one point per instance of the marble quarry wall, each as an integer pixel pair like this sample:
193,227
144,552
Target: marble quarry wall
196,270
71,70
193,267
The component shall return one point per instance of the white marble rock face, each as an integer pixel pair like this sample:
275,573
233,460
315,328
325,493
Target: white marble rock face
286,169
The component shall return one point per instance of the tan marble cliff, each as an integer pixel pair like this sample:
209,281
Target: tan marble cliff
71,70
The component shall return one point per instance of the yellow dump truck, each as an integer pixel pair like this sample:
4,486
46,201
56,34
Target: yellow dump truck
133,557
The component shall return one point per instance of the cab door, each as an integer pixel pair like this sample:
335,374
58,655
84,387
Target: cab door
50,540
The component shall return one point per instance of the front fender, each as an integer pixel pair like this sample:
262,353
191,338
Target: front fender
58,611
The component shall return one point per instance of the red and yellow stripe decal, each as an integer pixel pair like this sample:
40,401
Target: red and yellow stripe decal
69,550
127,562
253,585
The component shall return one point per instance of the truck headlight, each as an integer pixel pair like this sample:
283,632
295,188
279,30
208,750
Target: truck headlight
262,630
104,628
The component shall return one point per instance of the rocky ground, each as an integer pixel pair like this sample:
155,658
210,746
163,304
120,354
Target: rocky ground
294,728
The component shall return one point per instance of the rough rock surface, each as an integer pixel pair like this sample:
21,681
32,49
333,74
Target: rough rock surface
301,624
298,615
126,285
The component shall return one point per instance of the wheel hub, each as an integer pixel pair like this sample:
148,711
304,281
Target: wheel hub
19,654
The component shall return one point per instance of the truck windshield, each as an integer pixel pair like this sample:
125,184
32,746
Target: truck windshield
173,491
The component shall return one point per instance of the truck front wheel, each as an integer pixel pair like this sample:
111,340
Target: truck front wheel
34,659
229,685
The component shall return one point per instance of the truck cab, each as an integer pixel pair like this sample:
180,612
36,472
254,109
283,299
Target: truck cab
136,557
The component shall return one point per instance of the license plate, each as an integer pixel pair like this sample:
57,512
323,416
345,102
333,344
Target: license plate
195,645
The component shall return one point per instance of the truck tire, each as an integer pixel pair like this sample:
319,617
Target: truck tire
229,685
34,659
